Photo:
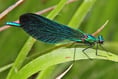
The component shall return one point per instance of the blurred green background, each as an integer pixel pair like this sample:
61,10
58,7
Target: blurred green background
12,39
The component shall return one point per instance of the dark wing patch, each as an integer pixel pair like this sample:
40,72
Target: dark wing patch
46,30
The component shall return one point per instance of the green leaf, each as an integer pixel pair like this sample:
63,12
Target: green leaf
21,57
81,13
61,56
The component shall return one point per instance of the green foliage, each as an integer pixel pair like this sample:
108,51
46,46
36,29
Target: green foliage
30,56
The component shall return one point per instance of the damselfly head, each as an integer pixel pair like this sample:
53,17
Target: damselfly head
100,39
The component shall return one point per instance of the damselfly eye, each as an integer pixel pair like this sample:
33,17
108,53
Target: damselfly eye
100,39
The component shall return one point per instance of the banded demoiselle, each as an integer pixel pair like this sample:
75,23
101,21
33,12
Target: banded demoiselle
52,32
